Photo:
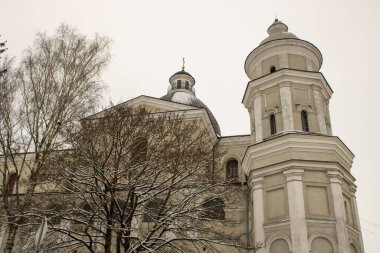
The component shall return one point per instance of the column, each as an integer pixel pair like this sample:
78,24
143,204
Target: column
258,211
258,116
286,106
341,229
320,109
296,203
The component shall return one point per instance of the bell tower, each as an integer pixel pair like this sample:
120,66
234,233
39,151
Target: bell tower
303,193
286,91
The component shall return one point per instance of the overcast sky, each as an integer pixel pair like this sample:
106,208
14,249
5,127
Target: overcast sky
151,37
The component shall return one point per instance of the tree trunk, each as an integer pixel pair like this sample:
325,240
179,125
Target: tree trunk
118,242
11,235
108,241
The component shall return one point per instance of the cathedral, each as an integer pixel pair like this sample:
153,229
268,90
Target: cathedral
297,191
301,191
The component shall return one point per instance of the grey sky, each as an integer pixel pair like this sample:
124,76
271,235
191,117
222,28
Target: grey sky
151,37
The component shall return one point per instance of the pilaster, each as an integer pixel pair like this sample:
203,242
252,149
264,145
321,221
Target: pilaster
320,110
297,211
286,105
257,107
341,228
309,65
252,124
284,61
258,70
357,220
258,210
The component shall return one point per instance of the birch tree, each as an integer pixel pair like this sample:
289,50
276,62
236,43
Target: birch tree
57,82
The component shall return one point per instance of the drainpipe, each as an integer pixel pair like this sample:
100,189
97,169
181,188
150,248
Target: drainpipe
246,214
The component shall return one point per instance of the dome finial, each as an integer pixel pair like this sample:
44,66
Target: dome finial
275,17
183,63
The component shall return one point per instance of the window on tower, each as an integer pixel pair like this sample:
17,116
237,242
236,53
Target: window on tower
272,69
272,120
186,85
305,121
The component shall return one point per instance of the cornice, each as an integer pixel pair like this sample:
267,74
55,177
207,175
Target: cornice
332,148
287,76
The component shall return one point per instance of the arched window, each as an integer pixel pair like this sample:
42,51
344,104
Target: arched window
179,84
321,245
139,151
151,210
305,121
272,69
55,218
213,209
11,182
272,120
279,246
82,215
232,170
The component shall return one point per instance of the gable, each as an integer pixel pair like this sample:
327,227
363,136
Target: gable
156,105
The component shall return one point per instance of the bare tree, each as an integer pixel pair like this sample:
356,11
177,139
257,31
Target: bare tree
57,82
136,181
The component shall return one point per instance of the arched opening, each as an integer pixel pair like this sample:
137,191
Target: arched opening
56,218
84,214
279,246
232,170
151,212
139,150
179,84
321,245
213,209
272,121
272,69
305,121
353,249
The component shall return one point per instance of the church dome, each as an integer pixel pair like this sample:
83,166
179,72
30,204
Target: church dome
181,91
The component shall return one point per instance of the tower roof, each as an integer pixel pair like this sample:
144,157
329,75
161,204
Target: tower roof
278,30
295,53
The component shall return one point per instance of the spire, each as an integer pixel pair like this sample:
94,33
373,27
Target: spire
183,63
